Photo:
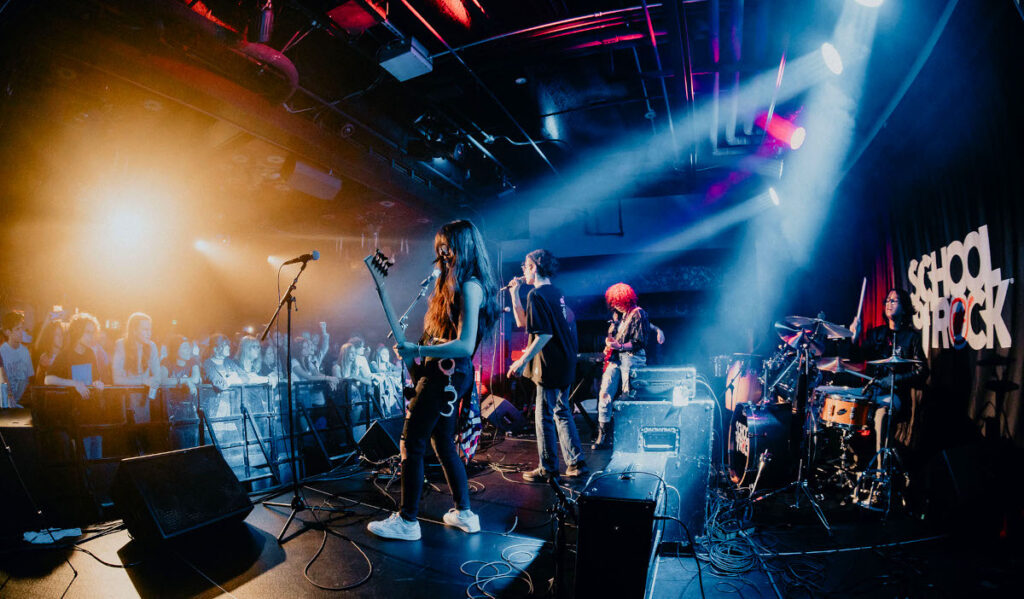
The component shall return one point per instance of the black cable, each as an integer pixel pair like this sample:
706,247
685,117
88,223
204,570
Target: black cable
689,537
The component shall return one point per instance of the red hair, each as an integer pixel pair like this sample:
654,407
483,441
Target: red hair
621,297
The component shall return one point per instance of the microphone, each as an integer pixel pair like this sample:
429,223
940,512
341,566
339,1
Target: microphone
314,255
430,278
522,280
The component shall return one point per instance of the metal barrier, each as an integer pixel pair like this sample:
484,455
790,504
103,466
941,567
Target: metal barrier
247,423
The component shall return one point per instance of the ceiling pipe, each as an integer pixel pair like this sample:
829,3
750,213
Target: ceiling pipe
661,79
482,85
715,39
736,41
679,40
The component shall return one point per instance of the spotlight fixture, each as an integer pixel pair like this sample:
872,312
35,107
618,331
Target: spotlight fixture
832,59
870,3
773,195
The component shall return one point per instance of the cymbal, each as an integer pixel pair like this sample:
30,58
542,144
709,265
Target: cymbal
839,365
894,361
830,329
797,339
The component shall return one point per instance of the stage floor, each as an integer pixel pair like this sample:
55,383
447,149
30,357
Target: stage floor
246,560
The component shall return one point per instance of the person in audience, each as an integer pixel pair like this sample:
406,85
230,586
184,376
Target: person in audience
182,368
16,357
217,369
352,363
306,366
136,357
391,379
269,362
247,361
76,366
48,344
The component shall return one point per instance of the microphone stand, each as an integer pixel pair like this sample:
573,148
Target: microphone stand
298,503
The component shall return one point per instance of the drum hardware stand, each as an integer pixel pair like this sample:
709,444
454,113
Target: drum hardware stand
563,510
297,504
804,470
887,458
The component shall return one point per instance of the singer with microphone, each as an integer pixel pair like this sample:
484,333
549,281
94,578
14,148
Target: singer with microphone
551,359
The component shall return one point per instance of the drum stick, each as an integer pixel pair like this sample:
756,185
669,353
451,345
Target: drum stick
860,302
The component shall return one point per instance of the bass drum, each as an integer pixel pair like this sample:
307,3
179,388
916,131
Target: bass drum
743,381
760,434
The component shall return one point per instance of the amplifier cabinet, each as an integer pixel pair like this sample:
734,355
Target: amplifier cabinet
683,434
616,535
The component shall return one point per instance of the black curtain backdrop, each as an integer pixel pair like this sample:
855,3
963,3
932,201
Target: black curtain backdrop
946,168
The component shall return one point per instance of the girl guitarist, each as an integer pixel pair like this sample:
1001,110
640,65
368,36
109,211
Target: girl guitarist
462,307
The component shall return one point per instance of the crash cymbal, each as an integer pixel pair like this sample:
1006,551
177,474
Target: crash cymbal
894,361
784,329
816,325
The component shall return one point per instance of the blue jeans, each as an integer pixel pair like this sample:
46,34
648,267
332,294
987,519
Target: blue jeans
615,379
553,410
423,421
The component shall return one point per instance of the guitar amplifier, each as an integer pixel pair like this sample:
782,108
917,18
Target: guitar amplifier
683,436
617,531
677,384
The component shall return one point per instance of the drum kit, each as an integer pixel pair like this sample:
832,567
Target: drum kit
787,422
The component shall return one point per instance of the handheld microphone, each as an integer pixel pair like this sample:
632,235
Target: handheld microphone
521,280
430,278
314,255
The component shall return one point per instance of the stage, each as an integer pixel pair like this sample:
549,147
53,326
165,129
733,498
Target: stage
904,557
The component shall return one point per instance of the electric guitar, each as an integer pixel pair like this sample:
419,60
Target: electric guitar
378,265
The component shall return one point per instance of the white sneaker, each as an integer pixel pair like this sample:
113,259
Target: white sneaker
464,519
396,527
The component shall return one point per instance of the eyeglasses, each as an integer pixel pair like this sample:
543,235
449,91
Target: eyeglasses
526,264
892,300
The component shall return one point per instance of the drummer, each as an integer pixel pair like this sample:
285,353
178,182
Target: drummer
878,343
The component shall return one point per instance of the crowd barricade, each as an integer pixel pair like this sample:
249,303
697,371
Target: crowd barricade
87,438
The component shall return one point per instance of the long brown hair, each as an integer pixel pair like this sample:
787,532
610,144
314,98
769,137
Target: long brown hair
468,260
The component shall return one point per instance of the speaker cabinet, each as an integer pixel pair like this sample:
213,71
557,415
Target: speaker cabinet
380,441
164,495
682,434
616,536
501,414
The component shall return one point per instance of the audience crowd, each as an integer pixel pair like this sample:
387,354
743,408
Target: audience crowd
75,351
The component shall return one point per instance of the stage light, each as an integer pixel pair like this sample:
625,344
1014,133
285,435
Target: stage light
202,245
127,228
782,129
773,195
270,260
832,59
870,3
797,139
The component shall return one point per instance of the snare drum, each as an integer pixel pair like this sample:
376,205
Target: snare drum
742,381
843,407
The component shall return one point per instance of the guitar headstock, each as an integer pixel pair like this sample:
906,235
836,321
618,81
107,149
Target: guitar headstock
378,264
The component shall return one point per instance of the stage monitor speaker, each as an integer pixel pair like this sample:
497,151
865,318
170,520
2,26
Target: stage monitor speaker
381,440
684,435
164,495
615,538
502,414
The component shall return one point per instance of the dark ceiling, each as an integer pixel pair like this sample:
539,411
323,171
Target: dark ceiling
519,93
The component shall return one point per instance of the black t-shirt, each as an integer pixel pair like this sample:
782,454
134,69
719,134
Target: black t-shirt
72,365
546,314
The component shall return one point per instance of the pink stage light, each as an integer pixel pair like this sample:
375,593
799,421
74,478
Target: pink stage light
782,130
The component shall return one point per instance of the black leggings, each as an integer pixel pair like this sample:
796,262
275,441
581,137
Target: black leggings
423,421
